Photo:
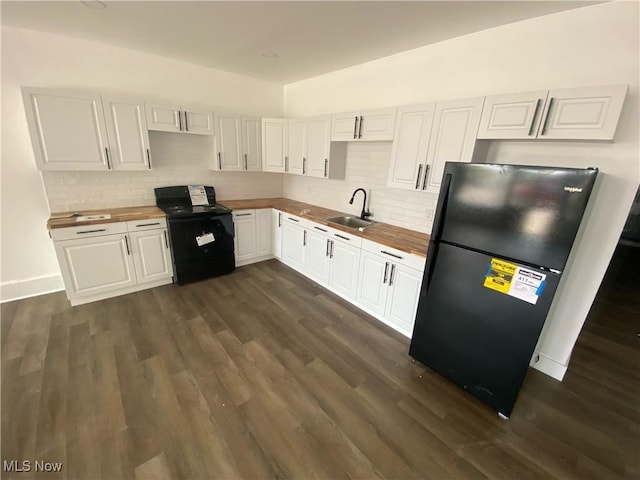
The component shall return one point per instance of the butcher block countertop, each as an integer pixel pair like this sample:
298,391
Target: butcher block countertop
403,239
123,214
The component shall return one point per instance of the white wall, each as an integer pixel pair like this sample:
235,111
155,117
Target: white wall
32,58
596,45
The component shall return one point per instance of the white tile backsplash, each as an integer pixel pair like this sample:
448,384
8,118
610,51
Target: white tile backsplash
367,167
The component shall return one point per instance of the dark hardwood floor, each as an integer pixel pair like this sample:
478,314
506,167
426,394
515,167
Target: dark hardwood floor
262,374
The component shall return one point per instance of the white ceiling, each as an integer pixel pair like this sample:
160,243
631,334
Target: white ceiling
309,37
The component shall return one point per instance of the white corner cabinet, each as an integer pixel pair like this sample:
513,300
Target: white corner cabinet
427,136
383,281
102,261
365,125
238,142
74,130
164,117
253,235
587,113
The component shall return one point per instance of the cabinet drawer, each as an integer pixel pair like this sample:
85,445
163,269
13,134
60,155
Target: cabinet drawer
295,220
149,224
249,213
83,231
395,255
345,237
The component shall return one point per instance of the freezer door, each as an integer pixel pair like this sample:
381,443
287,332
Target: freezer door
478,336
529,214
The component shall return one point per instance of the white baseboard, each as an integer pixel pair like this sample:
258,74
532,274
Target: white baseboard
548,366
31,287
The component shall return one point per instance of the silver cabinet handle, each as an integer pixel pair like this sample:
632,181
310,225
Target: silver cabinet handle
386,271
546,118
126,241
245,162
419,175
186,121
426,175
391,254
243,214
304,164
321,229
332,243
535,114
147,224
327,252
91,231
342,237
219,160
166,242
148,159
293,219
393,269
304,238
326,164
279,219
355,128
360,130
106,154
180,120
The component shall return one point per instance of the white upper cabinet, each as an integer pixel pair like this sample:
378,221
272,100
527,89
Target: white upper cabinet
297,147
318,146
512,116
172,118
366,125
251,143
126,124
410,146
588,113
67,129
275,144
453,138
229,151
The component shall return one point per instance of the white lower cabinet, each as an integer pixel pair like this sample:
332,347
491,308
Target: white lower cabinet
102,261
252,241
293,241
343,272
316,255
389,284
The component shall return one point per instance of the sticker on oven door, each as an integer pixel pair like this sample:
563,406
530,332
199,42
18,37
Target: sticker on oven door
516,281
205,238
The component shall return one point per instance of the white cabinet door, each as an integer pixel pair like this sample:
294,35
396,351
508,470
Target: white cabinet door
251,143
590,113
344,126
126,124
163,118
95,265
453,137
316,256
263,232
276,217
343,274
151,255
402,301
512,116
228,142
372,283
275,144
244,222
197,121
293,249
377,125
410,146
67,129
297,146
318,146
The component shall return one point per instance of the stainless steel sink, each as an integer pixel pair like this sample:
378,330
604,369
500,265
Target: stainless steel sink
352,222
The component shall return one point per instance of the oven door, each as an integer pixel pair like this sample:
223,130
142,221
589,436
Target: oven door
201,237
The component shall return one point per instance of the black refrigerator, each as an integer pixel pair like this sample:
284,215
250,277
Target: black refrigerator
499,243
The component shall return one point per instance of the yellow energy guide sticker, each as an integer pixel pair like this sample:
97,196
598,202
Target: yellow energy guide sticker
500,275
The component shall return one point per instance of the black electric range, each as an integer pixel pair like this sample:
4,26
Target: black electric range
201,236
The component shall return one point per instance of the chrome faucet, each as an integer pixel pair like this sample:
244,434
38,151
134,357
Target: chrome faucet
365,213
